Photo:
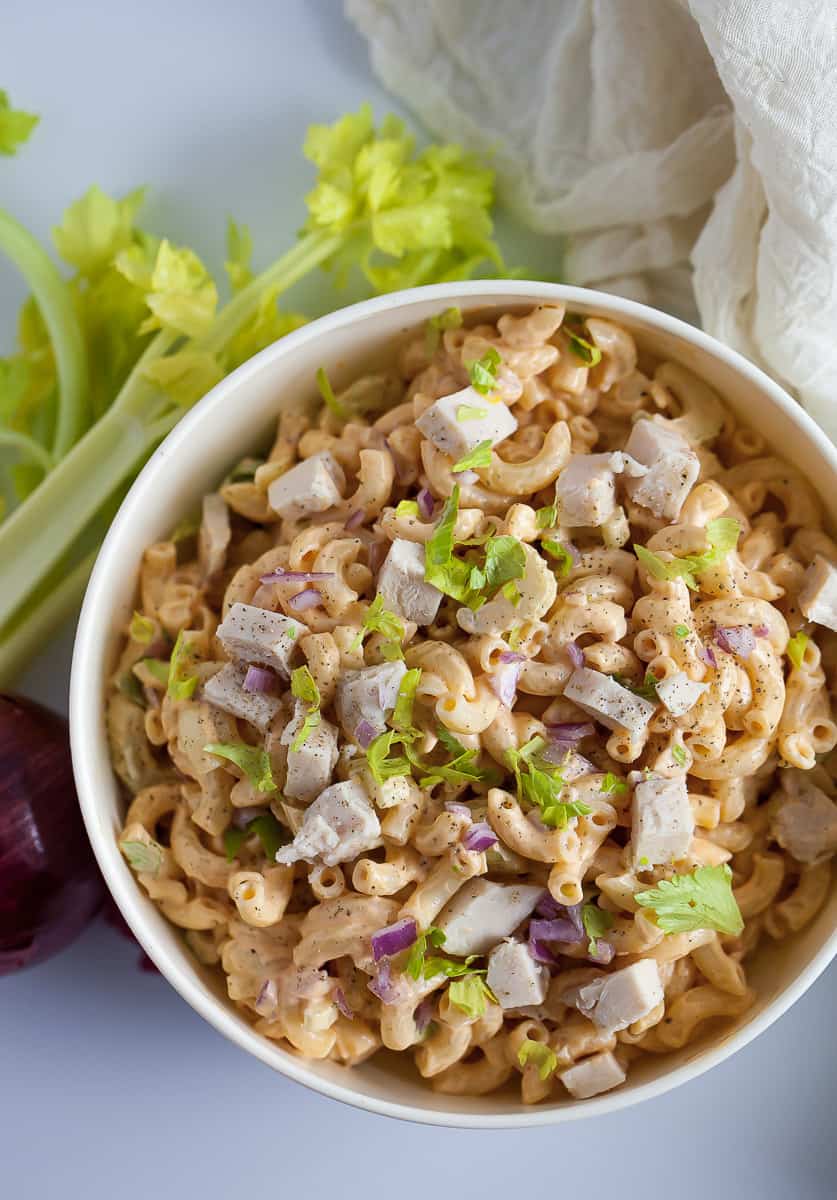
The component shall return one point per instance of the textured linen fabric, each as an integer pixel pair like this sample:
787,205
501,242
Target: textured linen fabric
687,151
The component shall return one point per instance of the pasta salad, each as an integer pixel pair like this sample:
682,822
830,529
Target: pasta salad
487,718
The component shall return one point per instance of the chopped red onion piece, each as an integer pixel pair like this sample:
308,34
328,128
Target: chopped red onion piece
403,469
556,929
570,731
423,1014
365,733
355,519
259,679
511,656
382,984
575,654
426,503
243,816
735,639
267,998
306,983
556,752
392,939
548,906
573,552
343,1004
541,953
479,837
708,656
375,555
280,575
307,598
604,952
503,682
761,630
454,806
467,477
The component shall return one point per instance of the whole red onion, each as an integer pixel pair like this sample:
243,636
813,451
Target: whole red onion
50,886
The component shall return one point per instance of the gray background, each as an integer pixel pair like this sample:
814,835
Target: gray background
109,1084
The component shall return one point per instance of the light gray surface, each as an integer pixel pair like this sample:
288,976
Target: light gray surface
109,1083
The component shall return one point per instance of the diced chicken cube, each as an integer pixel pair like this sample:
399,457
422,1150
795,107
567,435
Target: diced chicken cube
607,701
402,585
338,826
662,822
679,693
673,468
398,789
483,913
593,1075
226,691
804,819
368,695
514,977
615,1001
257,635
818,594
311,766
537,590
586,488
455,430
311,487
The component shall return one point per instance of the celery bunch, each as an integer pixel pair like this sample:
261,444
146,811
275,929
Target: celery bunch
109,359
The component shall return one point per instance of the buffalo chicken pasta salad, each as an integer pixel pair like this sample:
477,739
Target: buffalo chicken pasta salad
487,719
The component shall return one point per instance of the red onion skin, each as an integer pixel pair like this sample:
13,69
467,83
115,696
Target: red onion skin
50,886
113,917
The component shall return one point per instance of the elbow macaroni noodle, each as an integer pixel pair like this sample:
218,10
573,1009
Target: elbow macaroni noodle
294,942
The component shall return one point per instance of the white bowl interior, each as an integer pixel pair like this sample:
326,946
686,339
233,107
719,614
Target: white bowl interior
236,417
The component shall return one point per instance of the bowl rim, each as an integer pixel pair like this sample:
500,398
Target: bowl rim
85,684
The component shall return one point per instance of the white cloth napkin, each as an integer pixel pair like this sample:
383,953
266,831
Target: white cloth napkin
689,151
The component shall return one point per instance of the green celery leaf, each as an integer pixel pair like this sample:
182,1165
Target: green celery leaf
701,900
483,371
547,518
596,921
589,354
238,263
402,715
795,648
471,995
562,556
141,629
185,376
539,1055
381,765
146,858
378,619
329,399
269,832
16,126
181,685
304,687
233,840
96,228
252,760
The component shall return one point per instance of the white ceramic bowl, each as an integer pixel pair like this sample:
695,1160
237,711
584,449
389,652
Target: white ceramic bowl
229,422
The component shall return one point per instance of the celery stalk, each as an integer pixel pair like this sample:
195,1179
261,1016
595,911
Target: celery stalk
34,631
36,535
399,216
56,306
38,532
